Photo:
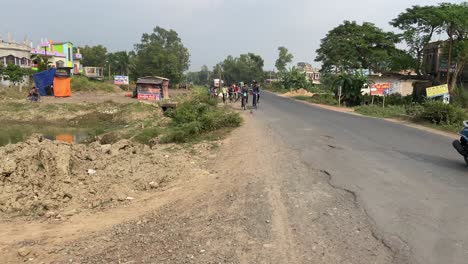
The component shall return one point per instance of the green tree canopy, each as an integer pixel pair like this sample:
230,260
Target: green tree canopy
351,46
120,62
419,24
294,79
284,58
200,77
94,56
161,53
455,24
14,73
245,68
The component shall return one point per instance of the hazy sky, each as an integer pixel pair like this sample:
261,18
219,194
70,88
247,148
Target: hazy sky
210,29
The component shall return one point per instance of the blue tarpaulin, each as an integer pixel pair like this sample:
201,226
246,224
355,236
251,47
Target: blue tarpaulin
43,80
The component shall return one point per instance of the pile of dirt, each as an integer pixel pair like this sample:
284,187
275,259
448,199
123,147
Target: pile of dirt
55,179
299,92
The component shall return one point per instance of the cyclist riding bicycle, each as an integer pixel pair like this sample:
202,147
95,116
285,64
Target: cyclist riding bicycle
245,96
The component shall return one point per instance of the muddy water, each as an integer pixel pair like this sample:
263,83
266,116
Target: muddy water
14,133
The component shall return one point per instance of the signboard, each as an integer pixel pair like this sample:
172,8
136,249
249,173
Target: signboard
437,91
444,66
120,80
379,88
150,94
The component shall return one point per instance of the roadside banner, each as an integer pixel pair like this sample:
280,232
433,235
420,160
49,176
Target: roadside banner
435,91
379,88
120,80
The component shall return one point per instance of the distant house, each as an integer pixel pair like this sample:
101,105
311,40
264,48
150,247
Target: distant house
60,55
96,73
435,63
14,53
313,74
398,83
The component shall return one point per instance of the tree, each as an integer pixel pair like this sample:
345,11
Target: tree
348,87
200,77
42,62
455,24
245,68
94,56
203,75
419,24
14,73
161,53
294,79
351,46
119,62
284,58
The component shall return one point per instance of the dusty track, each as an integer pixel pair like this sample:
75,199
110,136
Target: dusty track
254,202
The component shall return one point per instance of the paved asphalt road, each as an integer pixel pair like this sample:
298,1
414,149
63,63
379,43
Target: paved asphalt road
412,184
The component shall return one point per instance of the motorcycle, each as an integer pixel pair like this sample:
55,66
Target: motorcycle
462,145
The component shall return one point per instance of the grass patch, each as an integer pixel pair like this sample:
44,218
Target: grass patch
83,84
197,117
390,111
13,92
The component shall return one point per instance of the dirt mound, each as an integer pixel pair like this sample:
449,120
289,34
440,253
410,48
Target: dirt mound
299,92
43,177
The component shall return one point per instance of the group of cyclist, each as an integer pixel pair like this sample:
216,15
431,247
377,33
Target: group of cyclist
237,92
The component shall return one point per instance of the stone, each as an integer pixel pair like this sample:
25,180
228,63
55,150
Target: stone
23,252
70,213
106,148
50,214
91,172
153,185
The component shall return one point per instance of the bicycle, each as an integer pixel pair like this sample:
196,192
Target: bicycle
255,100
244,101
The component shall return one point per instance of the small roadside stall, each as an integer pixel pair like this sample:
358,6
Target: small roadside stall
54,82
152,88
62,82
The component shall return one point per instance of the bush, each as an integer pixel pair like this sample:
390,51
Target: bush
83,84
125,87
294,79
414,109
459,97
439,113
379,111
196,116
146,135
327,99
276,87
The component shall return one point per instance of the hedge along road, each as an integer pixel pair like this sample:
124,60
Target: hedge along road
412,183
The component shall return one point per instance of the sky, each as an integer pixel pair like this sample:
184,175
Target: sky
210,29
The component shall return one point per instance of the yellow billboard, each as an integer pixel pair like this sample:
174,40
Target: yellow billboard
437,90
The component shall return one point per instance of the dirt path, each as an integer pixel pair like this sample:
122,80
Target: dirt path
254,202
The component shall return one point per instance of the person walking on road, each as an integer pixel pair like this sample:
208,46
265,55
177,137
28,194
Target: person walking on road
255,92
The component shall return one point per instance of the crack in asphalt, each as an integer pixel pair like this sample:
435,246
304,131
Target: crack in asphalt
400,253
